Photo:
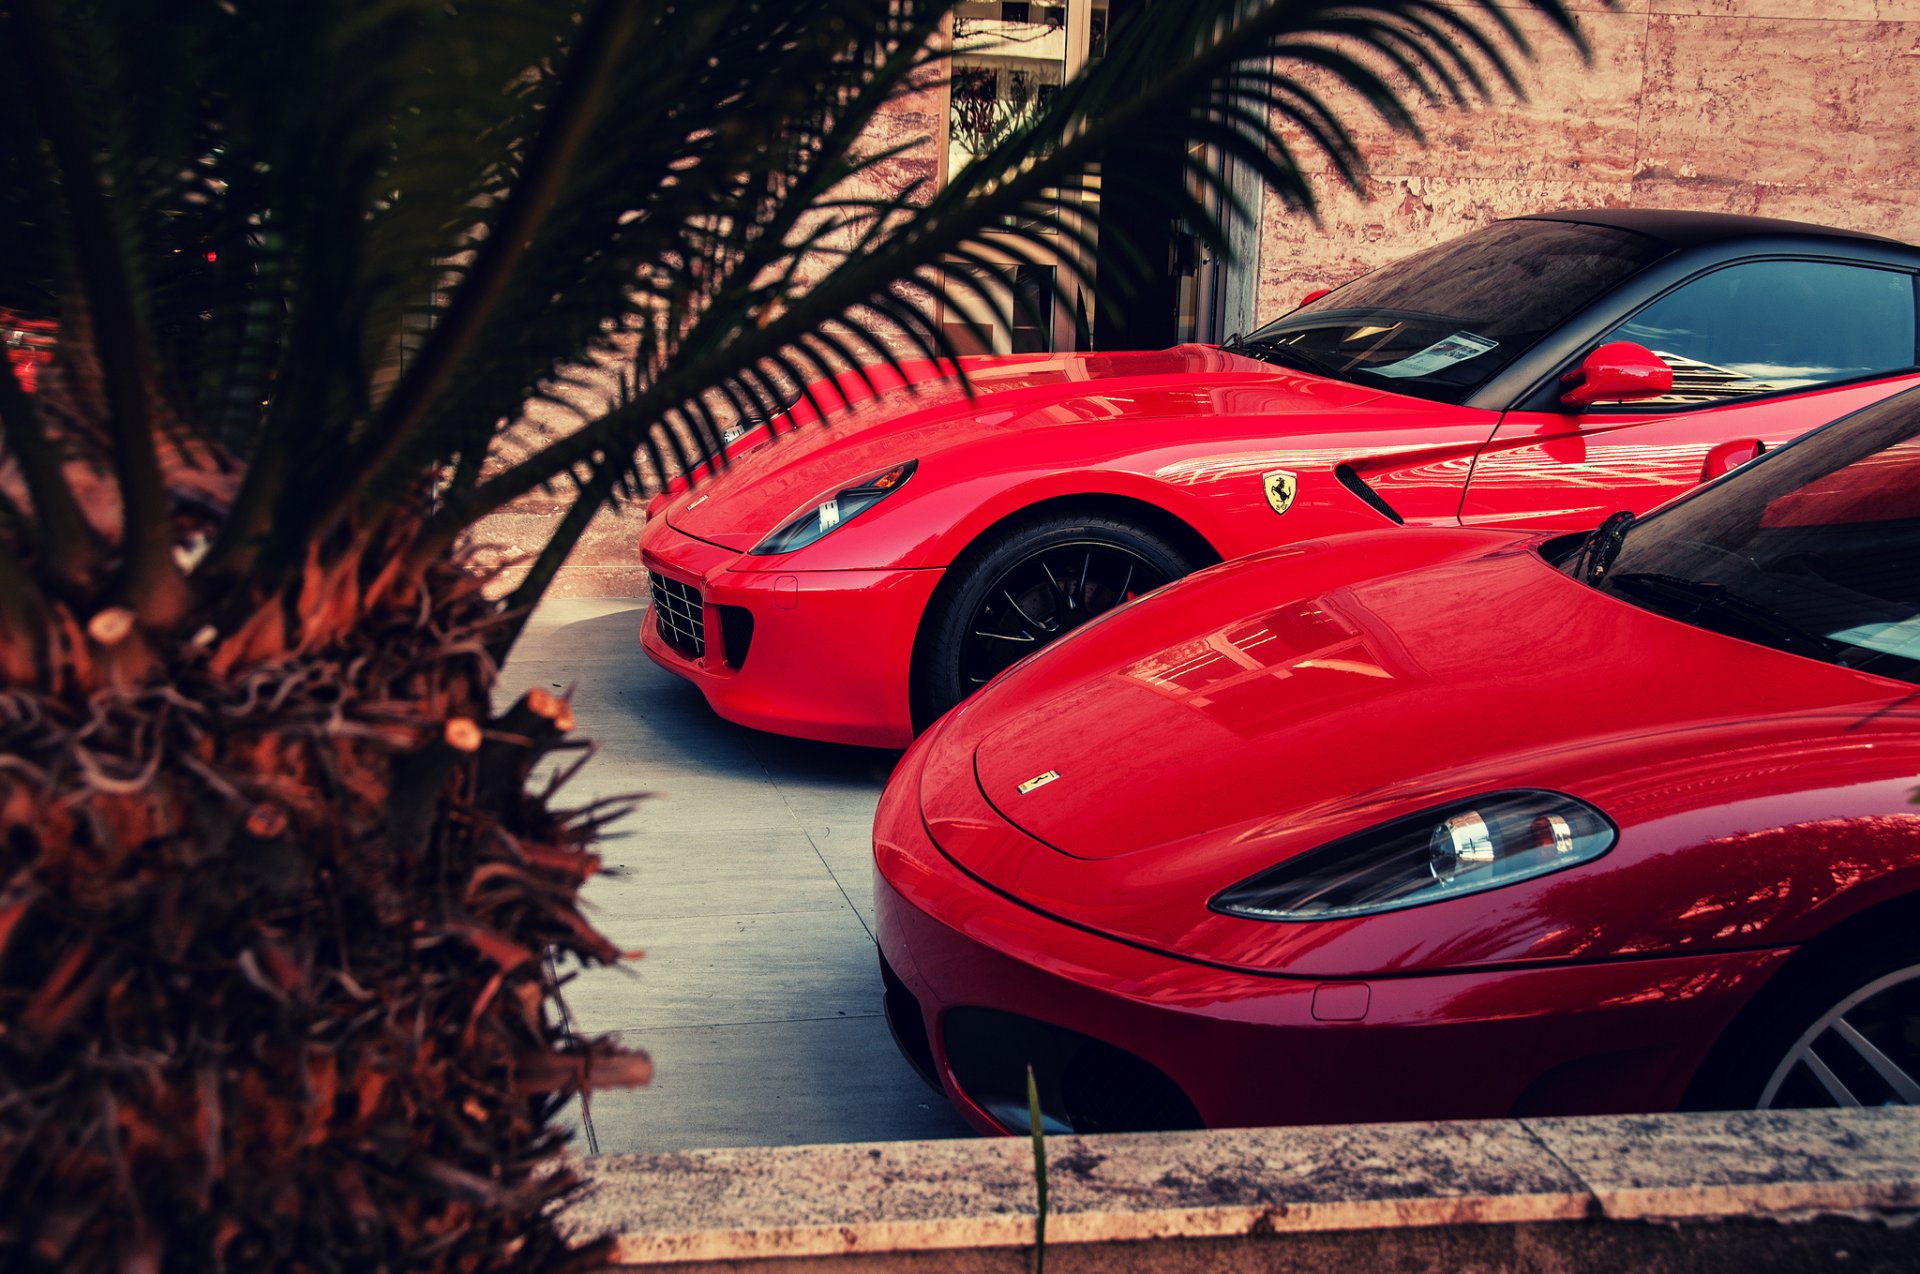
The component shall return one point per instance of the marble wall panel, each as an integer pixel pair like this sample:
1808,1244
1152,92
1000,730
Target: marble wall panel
1578,122
1851,10
1890,210
1782,108
1779,100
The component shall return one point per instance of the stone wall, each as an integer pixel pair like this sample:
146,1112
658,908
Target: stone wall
1780,108
1749,1193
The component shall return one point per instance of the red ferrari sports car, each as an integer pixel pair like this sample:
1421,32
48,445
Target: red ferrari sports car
852,580
1445,824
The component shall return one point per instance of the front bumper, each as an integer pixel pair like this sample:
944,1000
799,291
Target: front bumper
829,654
1236,1049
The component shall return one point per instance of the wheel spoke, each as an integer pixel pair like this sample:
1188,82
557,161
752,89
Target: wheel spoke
1841,1094
1062,603
1887,1006
1037,598
1885,1067
1021,611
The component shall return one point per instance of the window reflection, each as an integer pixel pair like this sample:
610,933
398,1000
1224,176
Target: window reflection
1765,327
1323,658
1009,61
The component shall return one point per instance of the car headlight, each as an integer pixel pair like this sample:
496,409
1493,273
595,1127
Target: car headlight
837,509
1466,848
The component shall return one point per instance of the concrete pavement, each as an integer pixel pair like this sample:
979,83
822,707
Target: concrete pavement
745,877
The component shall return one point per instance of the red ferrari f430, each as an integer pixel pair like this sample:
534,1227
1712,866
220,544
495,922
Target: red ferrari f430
1420,824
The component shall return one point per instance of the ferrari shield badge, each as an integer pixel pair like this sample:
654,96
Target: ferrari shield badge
1280,485
1039,780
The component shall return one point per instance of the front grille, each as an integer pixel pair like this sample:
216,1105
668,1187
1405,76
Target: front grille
681,616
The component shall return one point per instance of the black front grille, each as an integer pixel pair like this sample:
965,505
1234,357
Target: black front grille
681,616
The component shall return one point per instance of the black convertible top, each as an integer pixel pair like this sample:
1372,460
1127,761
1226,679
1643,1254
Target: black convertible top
1694,229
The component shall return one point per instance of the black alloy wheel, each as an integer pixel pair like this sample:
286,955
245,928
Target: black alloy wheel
1026,587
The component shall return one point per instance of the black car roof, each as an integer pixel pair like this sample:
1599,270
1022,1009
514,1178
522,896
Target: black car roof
1694,229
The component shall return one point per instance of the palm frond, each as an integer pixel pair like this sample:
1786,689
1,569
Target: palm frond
374,231
1378,53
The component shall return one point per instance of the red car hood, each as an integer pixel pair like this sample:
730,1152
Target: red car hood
764,486
1270,706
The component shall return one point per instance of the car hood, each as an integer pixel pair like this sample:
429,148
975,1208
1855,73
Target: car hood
1270,706
766,485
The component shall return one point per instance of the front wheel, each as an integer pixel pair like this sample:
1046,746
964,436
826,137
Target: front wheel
1841,1030
1025,587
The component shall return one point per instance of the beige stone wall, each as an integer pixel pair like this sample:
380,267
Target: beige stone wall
1785,108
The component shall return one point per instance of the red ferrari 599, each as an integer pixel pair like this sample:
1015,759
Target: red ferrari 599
853,579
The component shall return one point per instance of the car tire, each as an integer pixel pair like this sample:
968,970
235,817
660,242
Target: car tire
1840,1026
1016,590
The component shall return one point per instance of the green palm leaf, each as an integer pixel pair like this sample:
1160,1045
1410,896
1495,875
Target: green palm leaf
372,233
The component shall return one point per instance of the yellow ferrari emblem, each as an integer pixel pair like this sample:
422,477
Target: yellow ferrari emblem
1039,780
1281,486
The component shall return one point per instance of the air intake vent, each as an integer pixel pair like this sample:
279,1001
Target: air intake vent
1352,482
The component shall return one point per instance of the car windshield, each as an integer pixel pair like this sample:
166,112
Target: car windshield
1812,550
1441,323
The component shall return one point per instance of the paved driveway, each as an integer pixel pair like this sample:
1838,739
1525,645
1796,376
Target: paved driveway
746,879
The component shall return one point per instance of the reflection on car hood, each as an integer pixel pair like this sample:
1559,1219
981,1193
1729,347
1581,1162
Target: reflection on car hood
770,483
1273,705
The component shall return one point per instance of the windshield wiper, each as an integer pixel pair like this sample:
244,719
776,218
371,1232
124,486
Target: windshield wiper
1292,356
1597,554
1702,600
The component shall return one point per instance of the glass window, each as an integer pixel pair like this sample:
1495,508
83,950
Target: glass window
1008,62
1440,323
1812,549
1765,327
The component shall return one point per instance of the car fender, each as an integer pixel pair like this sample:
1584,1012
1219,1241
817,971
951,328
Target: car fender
1058,489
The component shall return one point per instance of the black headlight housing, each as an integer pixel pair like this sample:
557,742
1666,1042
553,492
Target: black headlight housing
1467,847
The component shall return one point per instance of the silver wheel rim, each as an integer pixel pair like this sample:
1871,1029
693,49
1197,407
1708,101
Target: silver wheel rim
1835,1043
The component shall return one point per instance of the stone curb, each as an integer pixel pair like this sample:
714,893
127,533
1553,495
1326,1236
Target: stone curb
903,1197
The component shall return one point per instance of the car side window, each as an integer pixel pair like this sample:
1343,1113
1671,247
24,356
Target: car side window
1769,327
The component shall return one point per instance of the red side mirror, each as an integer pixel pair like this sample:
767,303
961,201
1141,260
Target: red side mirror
1314,295
1729,456
1618,371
